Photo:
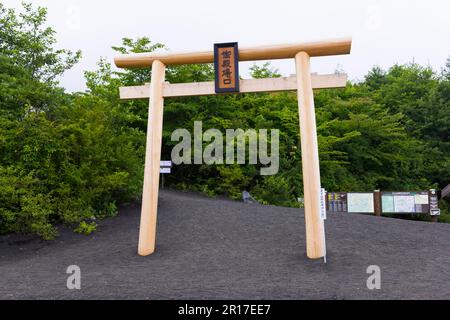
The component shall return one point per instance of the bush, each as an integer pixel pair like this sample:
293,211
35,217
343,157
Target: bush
86,228
68,170
25,208
63,158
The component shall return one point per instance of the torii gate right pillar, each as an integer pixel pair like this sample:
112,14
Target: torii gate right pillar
315,231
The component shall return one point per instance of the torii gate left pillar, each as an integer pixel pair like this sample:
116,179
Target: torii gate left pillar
149,209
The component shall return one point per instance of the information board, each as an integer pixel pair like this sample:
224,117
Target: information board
360,203
337,201
405,202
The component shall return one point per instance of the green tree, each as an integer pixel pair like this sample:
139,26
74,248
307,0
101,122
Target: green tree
264,71
25,38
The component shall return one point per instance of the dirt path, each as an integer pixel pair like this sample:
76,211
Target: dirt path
220,249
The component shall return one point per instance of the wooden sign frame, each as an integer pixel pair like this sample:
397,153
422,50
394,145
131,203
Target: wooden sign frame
304,82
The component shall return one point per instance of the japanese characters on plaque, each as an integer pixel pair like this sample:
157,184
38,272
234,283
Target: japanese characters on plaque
226,62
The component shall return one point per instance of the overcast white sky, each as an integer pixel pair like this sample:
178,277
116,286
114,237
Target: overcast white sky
384,32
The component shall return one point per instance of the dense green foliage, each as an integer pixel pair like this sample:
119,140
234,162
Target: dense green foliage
72,158
63,158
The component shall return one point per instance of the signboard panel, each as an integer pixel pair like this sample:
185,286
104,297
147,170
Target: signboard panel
337,202
360,203
434,203
387,204
226,63
421,199
436,212
405,202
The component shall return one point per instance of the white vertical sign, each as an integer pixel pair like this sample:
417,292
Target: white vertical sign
323,204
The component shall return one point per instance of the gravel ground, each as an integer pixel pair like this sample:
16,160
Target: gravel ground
221,249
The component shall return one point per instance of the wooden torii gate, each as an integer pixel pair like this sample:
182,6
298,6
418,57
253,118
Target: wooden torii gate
304,82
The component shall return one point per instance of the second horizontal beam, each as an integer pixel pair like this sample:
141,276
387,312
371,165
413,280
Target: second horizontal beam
247,86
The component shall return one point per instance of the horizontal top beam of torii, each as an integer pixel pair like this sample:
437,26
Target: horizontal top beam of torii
272,52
